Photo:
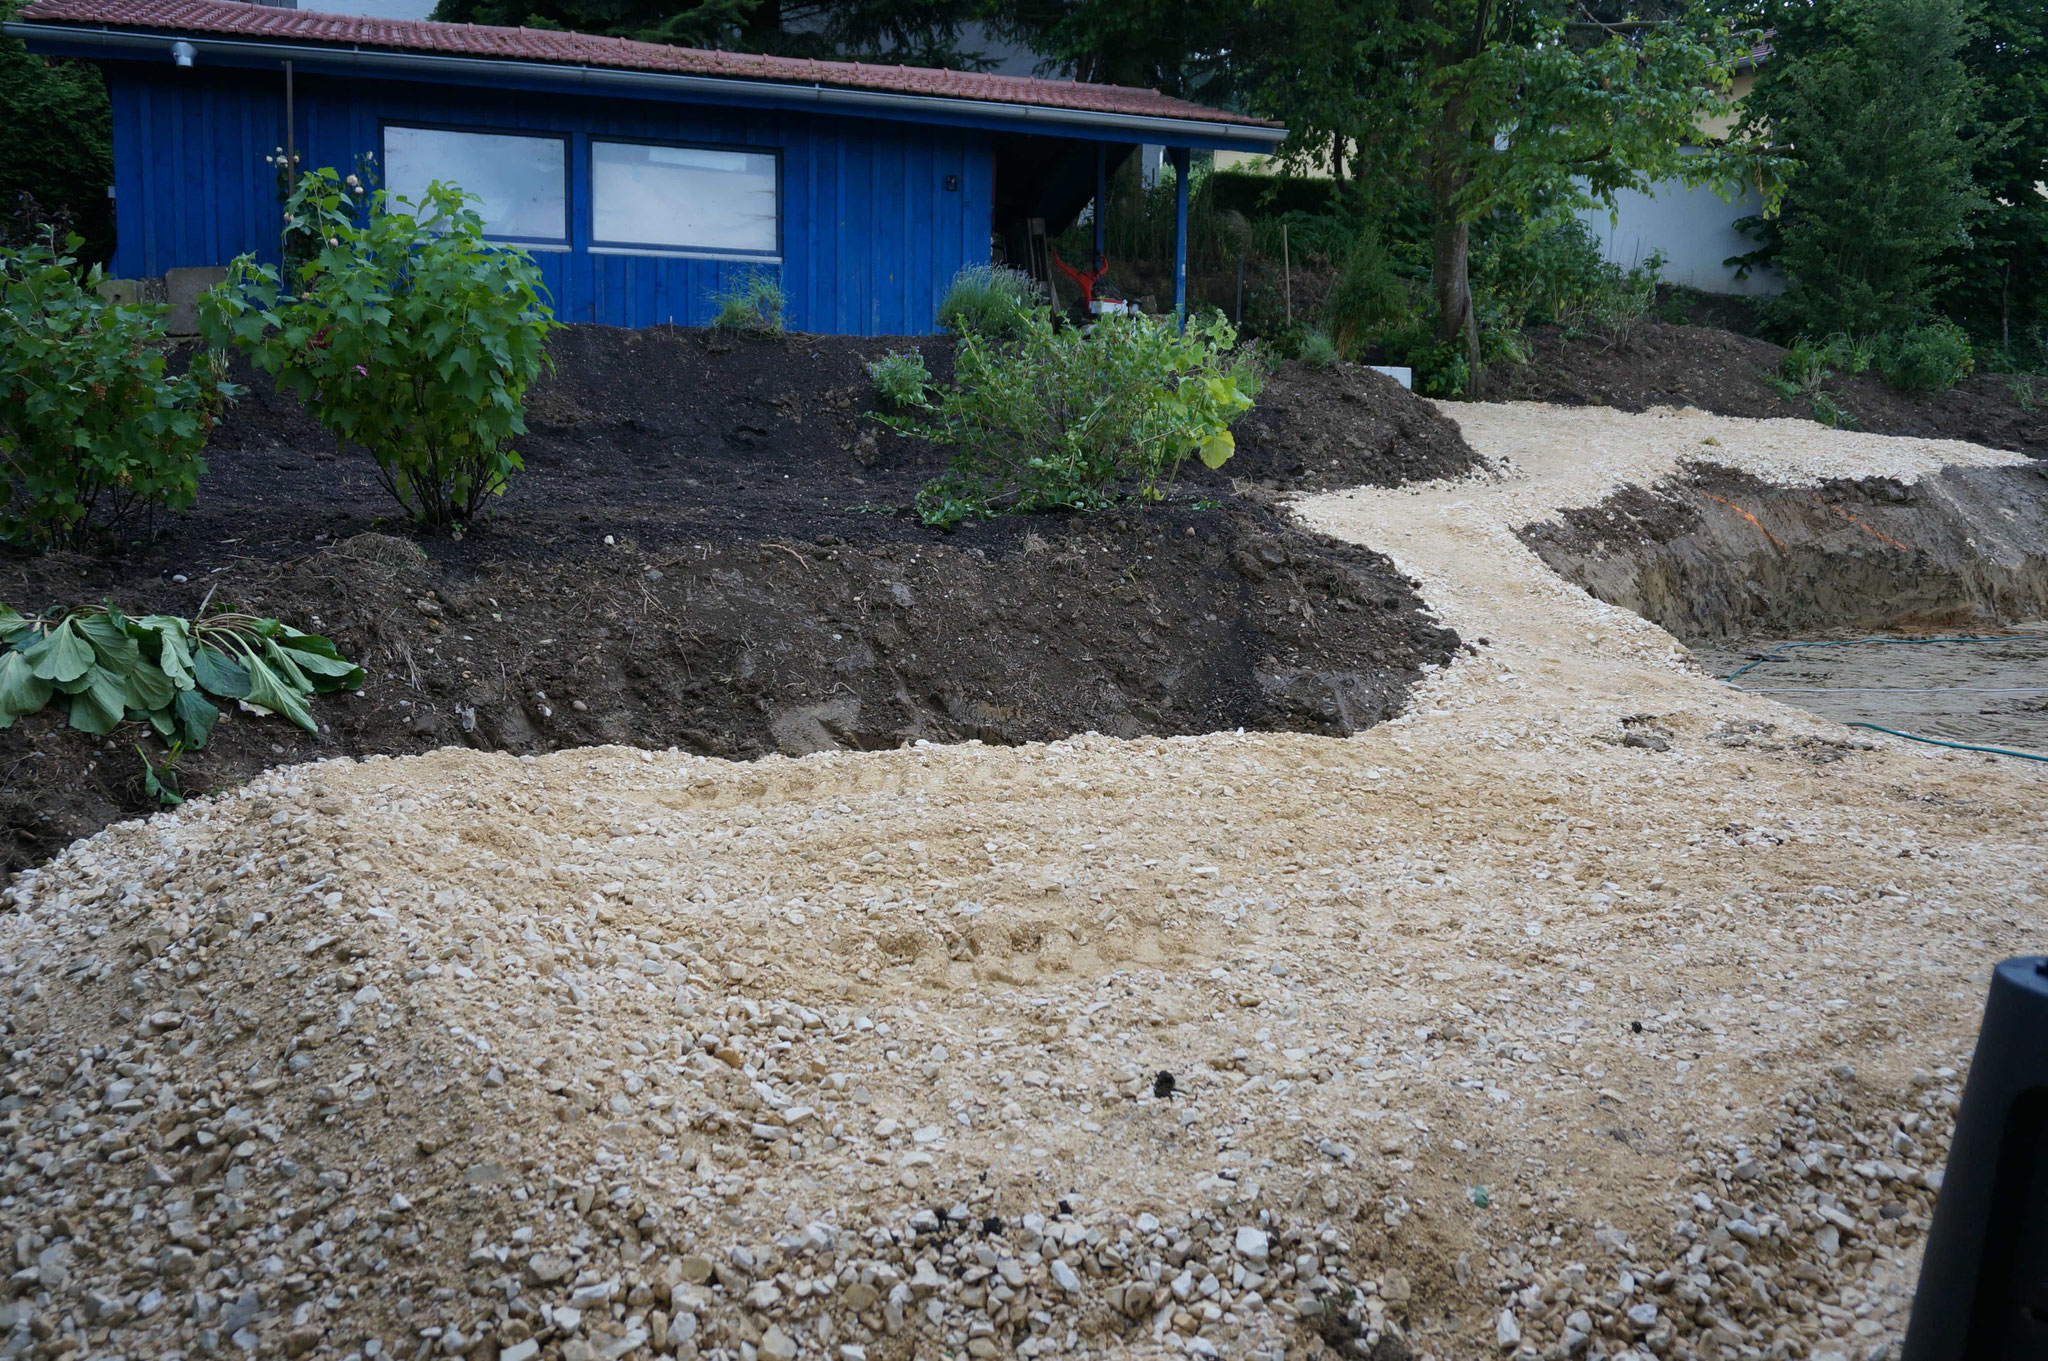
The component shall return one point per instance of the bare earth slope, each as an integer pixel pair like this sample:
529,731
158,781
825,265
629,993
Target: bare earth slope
1588,1006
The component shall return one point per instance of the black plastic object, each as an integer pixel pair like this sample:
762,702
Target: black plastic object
1983,1293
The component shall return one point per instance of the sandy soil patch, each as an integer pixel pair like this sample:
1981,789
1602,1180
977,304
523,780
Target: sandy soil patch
1588,1009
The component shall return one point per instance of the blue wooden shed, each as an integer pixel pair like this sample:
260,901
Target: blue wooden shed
641,177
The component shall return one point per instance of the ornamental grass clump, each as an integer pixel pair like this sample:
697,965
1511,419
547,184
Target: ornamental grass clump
95,426
405,332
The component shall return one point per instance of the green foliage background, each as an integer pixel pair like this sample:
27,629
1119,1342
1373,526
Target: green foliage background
57,147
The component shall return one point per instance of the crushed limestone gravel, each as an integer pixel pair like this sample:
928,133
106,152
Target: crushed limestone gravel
1589,1009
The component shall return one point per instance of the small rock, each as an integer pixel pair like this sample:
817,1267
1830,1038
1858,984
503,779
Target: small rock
1252,1244
548,1267
777,1345
1507,1333
1643,1316
1064,1277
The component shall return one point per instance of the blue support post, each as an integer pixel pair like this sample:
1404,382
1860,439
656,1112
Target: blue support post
1101,204
1180,235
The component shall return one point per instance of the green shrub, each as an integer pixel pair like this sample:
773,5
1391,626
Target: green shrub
1828,411
105,667
991,301
754,302
93,424
1927,358
901,378
1808,363
412,336
1063,418
1317,350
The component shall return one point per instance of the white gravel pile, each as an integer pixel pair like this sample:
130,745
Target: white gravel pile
1589,1010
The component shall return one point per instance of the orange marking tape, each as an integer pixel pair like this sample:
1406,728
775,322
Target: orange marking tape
1745,515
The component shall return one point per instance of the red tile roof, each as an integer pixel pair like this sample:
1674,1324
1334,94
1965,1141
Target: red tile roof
231,18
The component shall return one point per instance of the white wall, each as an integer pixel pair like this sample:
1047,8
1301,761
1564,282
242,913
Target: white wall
1695,228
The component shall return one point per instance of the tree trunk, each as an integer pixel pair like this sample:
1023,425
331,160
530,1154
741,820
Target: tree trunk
1450,273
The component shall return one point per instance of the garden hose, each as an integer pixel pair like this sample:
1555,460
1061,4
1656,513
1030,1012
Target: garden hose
1894,732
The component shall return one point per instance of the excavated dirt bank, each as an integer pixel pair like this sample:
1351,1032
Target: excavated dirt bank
708,549
1587,1006
1715,553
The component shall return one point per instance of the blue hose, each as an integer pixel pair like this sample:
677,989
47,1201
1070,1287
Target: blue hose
1894,732
1937,742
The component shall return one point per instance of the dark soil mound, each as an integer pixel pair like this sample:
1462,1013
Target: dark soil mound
1719,371
1344,426
706,551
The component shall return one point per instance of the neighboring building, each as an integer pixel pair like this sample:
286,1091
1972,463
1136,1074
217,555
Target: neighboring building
642,178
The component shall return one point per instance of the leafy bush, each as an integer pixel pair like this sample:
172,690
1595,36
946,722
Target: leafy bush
1828,411
1926,358
93,425
991,301
901,378
755,302
1552,270
1063,417
105,667
410,335
1808,363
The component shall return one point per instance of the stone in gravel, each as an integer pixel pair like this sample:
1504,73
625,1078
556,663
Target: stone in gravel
548,1267
1643,1316
1507,1333
1063,1276
520,1351
1395,1287
777,1345
1252,1244
695,1268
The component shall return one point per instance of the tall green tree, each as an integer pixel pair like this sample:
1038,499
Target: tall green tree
1877,107
57,154
1998,284
1495,107
1482,106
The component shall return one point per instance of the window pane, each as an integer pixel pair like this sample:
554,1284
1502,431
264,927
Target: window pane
520,180
683,197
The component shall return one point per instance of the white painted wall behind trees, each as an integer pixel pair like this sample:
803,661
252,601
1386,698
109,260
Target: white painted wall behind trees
1695,228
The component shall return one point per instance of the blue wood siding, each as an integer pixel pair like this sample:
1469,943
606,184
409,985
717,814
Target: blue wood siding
870,234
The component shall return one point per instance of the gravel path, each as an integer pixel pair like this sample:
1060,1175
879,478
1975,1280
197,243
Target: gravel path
1588,1009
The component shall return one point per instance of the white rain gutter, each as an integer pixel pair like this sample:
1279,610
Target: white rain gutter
1135,127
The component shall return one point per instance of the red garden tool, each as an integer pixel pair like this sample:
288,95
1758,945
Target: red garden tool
1085,282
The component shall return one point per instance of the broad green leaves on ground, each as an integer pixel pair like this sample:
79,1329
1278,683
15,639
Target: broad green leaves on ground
105,667
407,333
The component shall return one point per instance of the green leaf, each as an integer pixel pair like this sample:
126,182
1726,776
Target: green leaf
1216,449
270,693
174,642
219,674
323,666
61,656
21,690
14,628
195,717
100,707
